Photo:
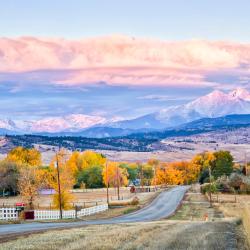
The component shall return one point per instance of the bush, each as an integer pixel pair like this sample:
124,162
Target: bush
223,184
135,201
205,188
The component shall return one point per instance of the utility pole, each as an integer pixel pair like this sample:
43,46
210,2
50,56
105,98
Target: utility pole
141,175
107,180
246,163
59,185
210,194
118,182
155,176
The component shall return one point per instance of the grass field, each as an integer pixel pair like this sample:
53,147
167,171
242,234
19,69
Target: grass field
152,235
195,207
235,206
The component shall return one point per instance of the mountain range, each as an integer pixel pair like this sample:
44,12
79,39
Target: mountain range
213,105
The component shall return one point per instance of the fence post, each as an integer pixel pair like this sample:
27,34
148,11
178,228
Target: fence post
76,211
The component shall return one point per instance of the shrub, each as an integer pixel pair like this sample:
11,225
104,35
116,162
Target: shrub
205,188
135,201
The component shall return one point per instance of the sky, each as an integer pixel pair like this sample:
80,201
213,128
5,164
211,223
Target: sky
118,58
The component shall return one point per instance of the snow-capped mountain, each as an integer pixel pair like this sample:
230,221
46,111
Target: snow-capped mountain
215,104
7,124
240,93
70,123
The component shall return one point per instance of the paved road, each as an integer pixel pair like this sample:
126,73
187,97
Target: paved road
164,205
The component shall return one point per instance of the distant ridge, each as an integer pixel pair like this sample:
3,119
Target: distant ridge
216,104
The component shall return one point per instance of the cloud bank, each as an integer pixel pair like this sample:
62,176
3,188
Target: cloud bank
121,60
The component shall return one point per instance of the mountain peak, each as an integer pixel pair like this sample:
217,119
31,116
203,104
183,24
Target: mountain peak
240,93
216,94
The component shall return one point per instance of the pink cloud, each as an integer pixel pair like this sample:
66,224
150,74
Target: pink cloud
120,60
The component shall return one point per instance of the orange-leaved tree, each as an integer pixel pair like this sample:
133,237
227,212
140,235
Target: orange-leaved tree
190,172
115,176
169,174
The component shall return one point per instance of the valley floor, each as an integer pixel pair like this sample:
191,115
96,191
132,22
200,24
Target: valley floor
187,229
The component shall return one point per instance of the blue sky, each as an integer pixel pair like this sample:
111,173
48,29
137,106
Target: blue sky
164,19
25,95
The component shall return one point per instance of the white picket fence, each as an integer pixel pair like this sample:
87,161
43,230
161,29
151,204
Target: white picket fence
68,214
12,214
8,214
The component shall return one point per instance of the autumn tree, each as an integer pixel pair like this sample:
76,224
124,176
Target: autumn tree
75,162
146,173
29,184
26,156
204,162
80,161
132,169
190,171
220,163
66,175
115,176
169,174
154,163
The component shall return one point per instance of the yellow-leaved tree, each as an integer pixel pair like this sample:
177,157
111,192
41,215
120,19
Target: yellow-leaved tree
20,155
79,161
59,167
29,183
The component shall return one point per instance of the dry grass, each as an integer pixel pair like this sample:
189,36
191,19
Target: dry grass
246,221
195,206
235,206
152,235
231,198
111,213
237,210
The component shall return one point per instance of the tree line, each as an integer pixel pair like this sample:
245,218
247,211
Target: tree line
22,172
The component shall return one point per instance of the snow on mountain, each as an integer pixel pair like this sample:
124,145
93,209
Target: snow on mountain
215,104
7,124
71,123
240,93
